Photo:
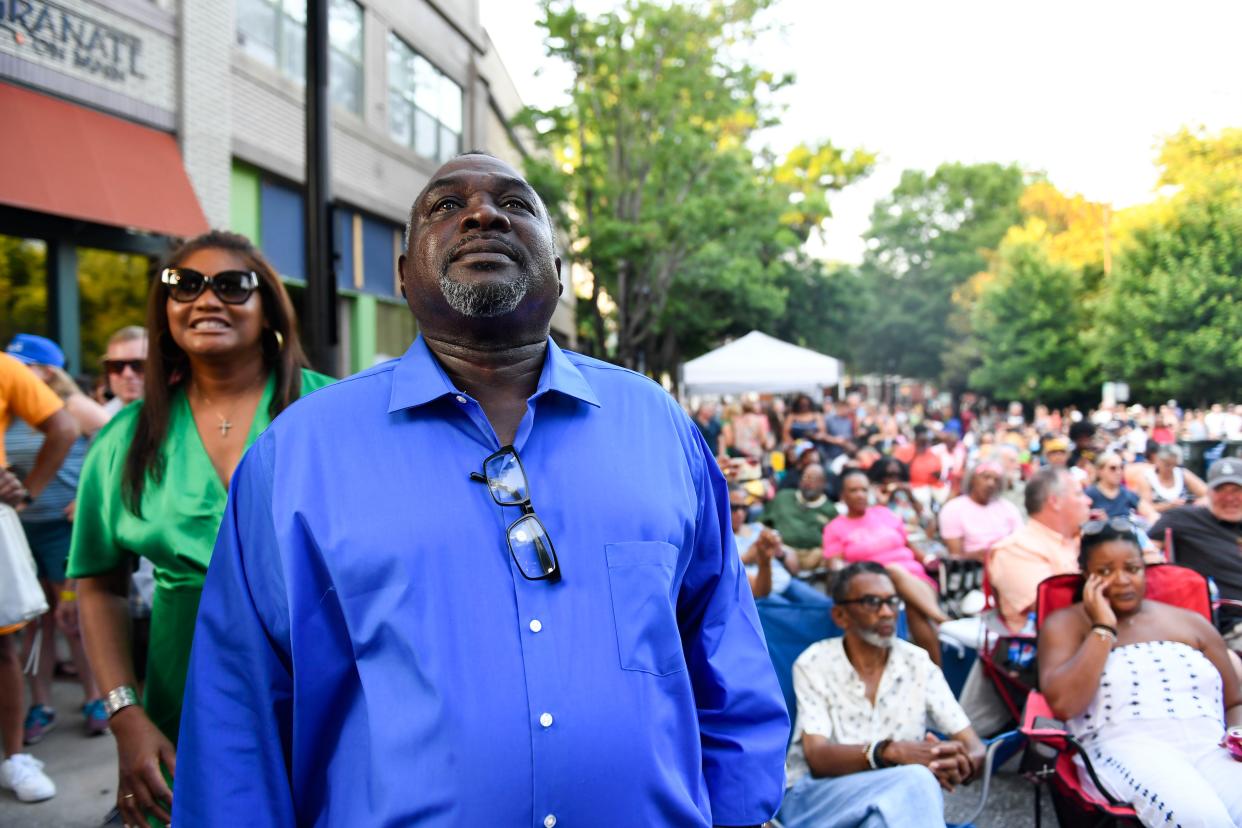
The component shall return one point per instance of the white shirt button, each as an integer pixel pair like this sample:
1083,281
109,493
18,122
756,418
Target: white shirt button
460,398
546,720
549,821
535,626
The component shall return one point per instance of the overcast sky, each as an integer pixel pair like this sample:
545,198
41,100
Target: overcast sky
1081,90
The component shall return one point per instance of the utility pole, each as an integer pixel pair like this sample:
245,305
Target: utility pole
319,323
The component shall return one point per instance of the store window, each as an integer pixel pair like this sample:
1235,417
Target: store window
424,104
112,293
23,287
274,32
345,54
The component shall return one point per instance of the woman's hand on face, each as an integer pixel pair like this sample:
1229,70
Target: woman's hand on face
141,751
1095,602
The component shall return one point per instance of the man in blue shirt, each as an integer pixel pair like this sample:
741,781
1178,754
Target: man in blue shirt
491,583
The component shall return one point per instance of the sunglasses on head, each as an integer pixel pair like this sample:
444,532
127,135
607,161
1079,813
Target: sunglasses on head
118,366
233,287
1117,526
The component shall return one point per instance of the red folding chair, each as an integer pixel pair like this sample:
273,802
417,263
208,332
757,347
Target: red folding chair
1050,756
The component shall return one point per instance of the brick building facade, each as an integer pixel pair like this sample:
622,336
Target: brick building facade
412,83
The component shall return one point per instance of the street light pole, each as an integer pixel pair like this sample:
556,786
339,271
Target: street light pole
320,321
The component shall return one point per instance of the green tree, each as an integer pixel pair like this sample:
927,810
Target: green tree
1029,321
927,239
686,230
1171,320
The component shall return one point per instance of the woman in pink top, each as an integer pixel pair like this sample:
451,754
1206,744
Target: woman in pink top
970,524
873,533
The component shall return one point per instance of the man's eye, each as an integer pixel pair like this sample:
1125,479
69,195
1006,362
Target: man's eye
516,202
444,204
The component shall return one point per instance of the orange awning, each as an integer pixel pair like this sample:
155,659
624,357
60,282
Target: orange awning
60,158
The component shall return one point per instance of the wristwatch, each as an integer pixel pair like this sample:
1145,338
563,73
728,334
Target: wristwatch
119,698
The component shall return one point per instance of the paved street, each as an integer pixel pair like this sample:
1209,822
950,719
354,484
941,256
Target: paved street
85,774
84,770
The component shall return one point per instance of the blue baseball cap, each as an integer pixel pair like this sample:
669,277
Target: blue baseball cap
33,349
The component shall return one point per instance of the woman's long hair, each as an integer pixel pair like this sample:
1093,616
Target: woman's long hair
169,367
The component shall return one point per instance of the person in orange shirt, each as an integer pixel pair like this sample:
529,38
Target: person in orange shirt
25,395
926,466
1047,545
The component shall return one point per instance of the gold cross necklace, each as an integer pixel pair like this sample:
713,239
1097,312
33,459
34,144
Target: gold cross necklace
225,426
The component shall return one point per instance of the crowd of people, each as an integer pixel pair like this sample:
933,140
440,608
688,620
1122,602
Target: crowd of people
375,548
826,498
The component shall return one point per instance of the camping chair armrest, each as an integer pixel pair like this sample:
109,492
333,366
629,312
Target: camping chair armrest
1005,743
1038,721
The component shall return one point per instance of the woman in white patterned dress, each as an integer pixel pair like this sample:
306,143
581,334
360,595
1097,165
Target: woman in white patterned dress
1146,687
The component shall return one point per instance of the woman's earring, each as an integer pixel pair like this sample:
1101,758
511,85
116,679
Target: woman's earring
280,340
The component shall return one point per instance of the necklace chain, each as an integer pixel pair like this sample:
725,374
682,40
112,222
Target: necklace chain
225,424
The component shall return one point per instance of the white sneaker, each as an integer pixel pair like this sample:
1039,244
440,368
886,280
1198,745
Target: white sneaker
23,774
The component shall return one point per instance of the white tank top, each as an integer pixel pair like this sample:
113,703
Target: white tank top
1167,494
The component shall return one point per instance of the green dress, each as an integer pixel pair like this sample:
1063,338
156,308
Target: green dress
177,532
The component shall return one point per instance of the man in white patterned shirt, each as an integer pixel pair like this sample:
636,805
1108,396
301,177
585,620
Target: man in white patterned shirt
861,752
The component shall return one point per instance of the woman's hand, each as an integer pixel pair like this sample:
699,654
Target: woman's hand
141,750
1095,602
66,616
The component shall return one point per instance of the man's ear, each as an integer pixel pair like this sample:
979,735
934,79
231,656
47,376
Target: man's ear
401,273
838,616
560,283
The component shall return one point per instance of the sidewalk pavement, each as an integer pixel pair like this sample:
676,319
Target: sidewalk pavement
83,768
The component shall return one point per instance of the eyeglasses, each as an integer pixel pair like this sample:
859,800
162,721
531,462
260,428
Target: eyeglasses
1119,525
233,287
118,366
1110,468
872,603
529,543
739,507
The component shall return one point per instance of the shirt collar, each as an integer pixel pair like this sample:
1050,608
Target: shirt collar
419,378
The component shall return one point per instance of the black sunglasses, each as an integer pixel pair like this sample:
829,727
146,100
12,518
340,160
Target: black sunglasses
233,287
118,366
873,602
529,543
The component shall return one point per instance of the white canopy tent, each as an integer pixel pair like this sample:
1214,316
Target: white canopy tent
762,364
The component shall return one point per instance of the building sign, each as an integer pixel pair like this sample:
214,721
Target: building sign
60,34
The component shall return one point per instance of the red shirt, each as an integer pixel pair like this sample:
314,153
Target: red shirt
925,468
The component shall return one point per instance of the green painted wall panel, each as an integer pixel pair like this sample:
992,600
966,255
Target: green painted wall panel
244,201
362,333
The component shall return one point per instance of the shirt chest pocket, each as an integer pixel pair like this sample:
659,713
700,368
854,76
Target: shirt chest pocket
640,576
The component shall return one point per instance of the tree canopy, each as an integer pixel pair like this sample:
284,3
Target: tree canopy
688,231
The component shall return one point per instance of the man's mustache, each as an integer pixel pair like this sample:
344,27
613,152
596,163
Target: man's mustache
510,250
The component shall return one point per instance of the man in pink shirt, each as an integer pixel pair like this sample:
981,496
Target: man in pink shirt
1047,545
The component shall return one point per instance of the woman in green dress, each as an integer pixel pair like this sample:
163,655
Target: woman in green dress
225,359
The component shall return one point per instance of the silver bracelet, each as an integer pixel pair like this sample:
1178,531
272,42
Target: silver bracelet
119,698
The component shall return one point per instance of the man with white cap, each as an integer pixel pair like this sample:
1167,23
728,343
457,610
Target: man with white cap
1208,538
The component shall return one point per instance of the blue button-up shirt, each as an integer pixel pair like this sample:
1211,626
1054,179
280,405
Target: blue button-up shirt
367,652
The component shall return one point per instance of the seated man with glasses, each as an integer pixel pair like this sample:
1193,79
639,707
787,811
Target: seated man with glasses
490,583
861,752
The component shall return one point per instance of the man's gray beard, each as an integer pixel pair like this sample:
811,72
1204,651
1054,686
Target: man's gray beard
875,639
484,300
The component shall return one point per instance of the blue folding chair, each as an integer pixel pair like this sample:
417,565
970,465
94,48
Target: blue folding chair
790,627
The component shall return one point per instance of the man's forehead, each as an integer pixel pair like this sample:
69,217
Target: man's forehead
871,584
476,171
